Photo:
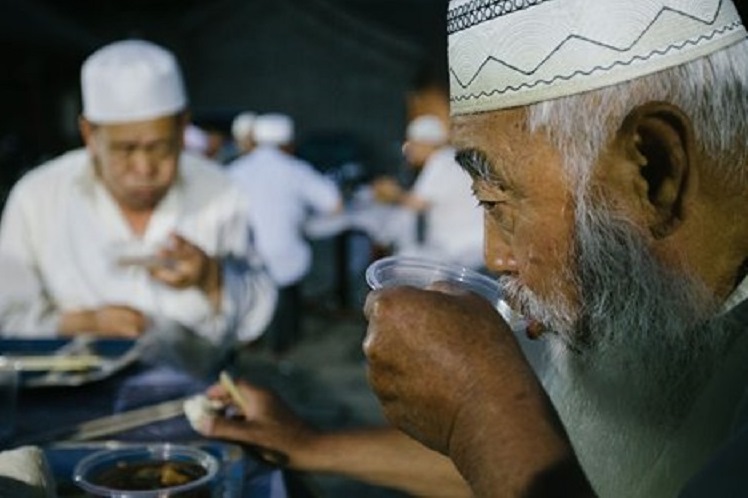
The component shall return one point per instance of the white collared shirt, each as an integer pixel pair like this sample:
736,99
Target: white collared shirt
62,235
282,192
454,222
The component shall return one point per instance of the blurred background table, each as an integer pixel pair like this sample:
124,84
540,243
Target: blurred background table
45,413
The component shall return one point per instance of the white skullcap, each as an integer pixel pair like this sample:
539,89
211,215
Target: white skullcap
506,53
273,129
242,126
131,80
427,129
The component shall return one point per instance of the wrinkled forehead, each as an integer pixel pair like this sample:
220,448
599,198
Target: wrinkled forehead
497,129
499,145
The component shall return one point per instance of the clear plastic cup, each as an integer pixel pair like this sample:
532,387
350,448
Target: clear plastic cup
406,270
417,272
129,462
9,380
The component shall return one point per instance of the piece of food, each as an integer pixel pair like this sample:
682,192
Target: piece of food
24,471
146,261
199,407
149,475
70,362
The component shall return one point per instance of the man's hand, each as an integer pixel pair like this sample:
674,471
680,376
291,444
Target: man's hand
186,265
387,190
431,355
449,372
265,423
106,321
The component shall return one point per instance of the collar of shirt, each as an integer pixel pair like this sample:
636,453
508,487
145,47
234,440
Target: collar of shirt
739,295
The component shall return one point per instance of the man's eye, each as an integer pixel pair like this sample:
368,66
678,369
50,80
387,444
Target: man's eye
489,205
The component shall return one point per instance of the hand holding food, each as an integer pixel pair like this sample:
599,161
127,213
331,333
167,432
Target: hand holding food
254,416
189,266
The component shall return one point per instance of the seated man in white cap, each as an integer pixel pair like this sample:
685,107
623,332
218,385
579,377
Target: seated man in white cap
282,190
607,146
441,196
130,234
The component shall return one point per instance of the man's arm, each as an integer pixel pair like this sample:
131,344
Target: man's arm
389,458
381,456
450,373
25,308
107,321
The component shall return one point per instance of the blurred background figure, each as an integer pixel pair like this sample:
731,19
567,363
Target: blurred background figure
195,140
449,225
282,191
242,128
128,236
218,148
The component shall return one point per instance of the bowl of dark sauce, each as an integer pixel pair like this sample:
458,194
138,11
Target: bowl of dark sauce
162,470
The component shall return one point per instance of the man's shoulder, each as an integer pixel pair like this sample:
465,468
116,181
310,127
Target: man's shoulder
56,171
203,173
207,182
239,165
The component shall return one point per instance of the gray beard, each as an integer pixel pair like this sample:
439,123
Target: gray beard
626,367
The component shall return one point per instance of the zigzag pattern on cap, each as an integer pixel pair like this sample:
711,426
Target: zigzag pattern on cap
490,24
576,73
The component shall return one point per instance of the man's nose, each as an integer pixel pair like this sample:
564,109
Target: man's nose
142,162
497,251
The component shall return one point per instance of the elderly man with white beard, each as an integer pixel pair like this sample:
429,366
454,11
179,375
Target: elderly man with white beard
613,185
606,142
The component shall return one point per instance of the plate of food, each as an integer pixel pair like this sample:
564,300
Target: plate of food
67,362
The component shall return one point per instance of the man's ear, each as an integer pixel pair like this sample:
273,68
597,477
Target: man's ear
658,138
183,120
86,129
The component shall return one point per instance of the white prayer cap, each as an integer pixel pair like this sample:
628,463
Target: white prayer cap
274,129
242,125
506,53
426,129
131,80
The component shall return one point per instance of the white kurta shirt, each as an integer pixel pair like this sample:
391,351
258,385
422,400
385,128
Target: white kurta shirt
282,191
62,235
454,223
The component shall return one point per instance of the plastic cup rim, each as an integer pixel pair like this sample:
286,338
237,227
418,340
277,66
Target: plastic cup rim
208,461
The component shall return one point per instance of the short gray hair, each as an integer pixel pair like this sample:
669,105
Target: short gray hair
712,90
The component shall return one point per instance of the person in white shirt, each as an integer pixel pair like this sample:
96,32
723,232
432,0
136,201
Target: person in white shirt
282,191
441,195
130,234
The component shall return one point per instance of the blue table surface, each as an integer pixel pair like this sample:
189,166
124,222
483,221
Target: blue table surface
49,408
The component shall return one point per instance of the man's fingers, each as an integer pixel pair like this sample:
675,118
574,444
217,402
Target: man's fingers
233,429
242,431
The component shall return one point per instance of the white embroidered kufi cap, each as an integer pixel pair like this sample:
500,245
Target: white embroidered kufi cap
242,125
273,129
506,53
426,129
132,80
